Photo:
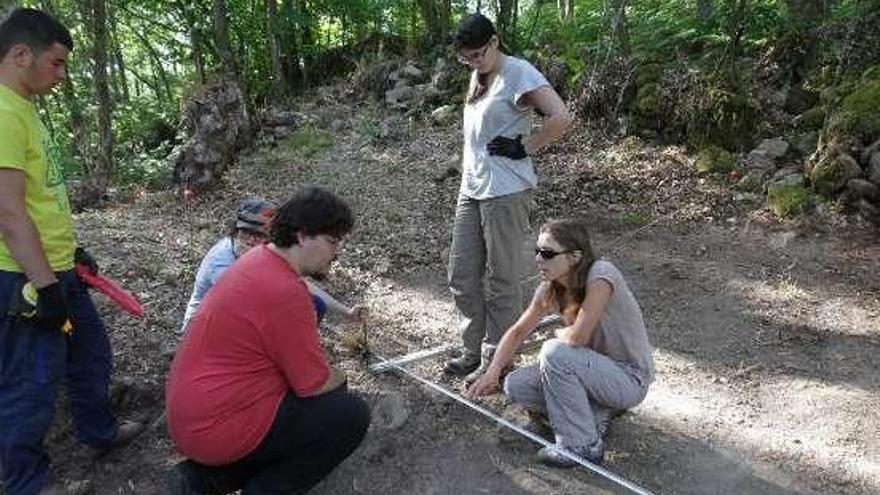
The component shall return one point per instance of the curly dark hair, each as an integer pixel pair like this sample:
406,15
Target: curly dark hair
312,211
34,28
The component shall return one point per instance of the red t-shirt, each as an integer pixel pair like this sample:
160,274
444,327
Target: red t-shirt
254,338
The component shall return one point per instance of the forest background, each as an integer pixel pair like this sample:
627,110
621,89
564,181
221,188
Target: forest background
717,75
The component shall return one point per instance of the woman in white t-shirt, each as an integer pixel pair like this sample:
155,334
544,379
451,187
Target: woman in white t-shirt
599,362
494,202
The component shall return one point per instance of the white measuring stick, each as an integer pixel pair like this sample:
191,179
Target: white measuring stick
409,358
531,436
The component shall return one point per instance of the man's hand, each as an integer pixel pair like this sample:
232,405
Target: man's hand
82,257
358,314
505,146
566,335
334,381
51,307
484,385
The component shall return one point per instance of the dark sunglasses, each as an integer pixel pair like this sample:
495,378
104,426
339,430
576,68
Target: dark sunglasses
549,254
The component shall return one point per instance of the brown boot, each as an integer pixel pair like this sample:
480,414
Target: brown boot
462,365
125,433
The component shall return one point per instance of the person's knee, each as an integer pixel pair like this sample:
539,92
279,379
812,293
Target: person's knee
513,386
554,354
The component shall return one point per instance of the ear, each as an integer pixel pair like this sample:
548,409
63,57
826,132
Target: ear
577,256
21,54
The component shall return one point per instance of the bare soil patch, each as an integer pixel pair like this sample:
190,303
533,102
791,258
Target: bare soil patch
766,333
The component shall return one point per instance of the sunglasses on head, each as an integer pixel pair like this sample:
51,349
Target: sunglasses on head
549,254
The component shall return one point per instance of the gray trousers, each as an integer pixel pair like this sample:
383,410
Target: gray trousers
568,385
485,265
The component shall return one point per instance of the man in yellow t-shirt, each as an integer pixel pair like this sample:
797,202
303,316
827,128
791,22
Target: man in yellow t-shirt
37,252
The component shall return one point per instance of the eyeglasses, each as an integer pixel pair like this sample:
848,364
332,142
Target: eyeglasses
549,254
254,235
333,240
473,57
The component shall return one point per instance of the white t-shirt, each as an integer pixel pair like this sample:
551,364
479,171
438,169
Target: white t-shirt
497,113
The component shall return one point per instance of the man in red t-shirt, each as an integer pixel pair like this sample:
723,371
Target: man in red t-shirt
251,400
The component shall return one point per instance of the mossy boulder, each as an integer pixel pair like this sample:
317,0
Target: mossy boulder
713,158
859,113
831,173
812,119
724,118
647,101
787,200
752,181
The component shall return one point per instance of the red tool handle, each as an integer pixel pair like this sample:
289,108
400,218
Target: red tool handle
123,298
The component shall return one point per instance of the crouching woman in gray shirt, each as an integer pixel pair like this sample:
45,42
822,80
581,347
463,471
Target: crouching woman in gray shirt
600,362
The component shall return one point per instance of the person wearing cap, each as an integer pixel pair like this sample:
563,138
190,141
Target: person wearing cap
251,400
50,331
250,229
497,180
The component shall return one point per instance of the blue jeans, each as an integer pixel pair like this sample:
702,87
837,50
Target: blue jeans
33,361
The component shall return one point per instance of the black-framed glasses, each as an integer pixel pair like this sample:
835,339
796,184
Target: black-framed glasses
549,254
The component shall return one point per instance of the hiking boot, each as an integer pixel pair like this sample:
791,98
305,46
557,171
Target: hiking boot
178,483
125,433
462,365
488,351
539,425
551,456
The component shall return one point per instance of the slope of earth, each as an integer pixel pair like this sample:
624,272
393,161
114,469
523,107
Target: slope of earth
766,333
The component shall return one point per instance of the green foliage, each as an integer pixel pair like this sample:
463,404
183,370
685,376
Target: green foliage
715,159
812,119
787,200
309,141
859,114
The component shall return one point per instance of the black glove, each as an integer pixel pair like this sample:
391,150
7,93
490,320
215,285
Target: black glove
51,306
82,257
505,146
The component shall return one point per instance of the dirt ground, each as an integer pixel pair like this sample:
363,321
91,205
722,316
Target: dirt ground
766,333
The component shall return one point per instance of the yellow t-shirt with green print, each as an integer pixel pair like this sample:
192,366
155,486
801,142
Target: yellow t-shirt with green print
25,145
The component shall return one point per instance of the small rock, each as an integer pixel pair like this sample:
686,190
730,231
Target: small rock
874,168
281,132
337,125
773,148
861,188
412,72
869,152
759,160
443,114
390,412
871,211
394,96
849,168
788,176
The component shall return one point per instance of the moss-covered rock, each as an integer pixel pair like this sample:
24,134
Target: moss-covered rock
859,113
715,159
724,118
831,173
752,181
787,200
812,119
646,101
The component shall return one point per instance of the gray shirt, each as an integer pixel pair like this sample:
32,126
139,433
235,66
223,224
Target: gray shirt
621,333
499,113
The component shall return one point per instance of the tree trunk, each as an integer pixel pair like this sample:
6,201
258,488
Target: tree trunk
620,27
221,40
279,83
566,10
506,21
99,178
119,59
436,15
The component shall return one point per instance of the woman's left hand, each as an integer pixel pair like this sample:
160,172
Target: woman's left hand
485,385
